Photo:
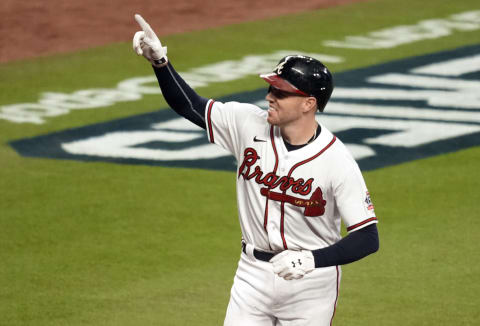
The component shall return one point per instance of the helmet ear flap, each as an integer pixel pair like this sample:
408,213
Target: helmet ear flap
322,102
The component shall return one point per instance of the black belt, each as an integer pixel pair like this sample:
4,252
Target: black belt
260,255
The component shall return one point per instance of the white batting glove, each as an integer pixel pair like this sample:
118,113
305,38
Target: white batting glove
146,43
293,265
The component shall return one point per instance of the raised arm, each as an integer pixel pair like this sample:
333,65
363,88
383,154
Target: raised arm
178,94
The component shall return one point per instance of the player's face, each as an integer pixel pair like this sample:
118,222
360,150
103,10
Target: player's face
284,107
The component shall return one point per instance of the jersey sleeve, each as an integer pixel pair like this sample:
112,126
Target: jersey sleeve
353,201
227,123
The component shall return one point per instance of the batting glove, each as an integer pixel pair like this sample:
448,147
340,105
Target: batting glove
293,265
146,43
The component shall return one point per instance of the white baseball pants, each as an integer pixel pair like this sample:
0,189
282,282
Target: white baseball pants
261,298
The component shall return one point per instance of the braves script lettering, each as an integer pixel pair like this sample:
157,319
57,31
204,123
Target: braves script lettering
270,179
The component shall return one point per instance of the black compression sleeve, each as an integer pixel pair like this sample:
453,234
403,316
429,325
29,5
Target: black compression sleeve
351,248
181,97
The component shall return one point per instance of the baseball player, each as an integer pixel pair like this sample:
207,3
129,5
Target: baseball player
296,182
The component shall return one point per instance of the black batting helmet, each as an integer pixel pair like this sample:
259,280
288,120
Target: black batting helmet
304,76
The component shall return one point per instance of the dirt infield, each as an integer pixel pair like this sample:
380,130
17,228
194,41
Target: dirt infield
37,28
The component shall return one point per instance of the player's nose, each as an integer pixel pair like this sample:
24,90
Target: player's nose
269,97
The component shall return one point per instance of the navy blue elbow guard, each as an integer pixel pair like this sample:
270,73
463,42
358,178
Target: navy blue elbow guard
353,247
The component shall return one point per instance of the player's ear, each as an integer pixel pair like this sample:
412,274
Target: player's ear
310,104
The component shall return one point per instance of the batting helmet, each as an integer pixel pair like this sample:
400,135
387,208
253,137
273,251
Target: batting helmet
304,76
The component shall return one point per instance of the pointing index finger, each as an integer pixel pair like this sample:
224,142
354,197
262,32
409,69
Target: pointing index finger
144,25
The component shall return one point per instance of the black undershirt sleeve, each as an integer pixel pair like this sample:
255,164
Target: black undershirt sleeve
181,97
353,247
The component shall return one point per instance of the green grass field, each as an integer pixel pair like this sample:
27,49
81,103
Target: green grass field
110,244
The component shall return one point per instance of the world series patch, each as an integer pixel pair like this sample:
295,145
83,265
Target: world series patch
368,202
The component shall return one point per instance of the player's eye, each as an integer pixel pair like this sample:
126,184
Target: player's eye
278,93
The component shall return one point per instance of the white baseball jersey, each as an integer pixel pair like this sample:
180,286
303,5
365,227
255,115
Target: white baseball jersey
289,200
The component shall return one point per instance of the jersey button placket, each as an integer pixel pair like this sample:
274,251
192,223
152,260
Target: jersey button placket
281,229
274,235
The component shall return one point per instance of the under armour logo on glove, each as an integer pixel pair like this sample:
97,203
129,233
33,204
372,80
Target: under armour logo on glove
293,265
299,262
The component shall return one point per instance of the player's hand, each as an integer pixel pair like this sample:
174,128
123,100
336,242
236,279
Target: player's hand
146,43
293,265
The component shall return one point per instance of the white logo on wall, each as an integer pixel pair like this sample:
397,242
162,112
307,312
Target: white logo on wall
398,35
122,144
412,127
385,114
53,104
